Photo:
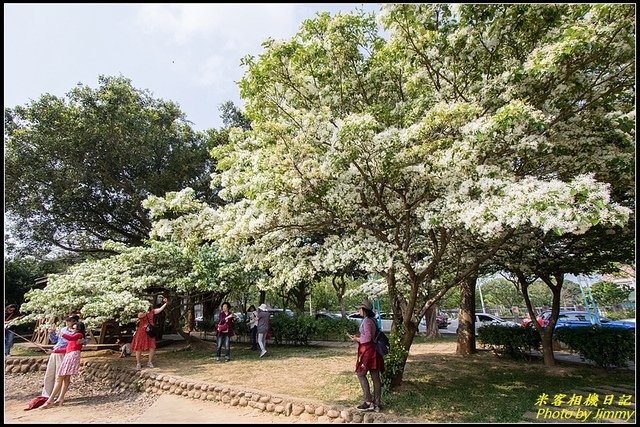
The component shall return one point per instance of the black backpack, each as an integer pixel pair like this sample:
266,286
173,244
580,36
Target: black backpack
381,341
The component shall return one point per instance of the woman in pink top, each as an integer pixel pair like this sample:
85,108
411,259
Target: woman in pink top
70,365
369,360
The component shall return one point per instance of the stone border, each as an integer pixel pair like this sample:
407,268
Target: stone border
23,365
126,380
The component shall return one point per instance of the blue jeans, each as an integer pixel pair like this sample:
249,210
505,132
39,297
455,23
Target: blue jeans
8,341
224,339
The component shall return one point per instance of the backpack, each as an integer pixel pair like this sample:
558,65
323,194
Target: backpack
381,341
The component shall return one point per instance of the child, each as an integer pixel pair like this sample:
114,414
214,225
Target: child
70,364
125,348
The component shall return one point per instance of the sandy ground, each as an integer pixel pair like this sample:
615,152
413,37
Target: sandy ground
93,404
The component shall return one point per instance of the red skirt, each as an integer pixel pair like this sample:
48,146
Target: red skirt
368,358
142,341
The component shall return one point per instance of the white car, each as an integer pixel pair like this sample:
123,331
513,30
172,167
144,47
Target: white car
387,320
483,319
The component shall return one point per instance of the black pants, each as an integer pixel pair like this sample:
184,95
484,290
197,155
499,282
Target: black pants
377,386
254,338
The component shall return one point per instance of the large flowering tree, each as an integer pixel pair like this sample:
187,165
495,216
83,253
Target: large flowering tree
421,157
116,288
396,149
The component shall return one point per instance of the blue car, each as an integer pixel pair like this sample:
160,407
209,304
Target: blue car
580,319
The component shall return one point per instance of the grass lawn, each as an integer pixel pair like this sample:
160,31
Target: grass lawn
438,386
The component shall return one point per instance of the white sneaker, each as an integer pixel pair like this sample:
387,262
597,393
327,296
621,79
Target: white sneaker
263,352
150,365
138,367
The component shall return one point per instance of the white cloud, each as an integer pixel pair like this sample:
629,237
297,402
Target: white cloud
233,26
214,71
210,39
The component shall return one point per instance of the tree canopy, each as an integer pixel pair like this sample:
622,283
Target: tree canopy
474,136
471,123
78,168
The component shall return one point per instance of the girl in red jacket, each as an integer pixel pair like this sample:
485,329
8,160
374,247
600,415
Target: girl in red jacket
70,364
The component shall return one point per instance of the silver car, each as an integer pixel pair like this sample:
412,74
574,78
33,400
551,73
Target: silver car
483,319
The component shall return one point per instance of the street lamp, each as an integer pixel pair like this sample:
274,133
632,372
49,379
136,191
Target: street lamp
479,286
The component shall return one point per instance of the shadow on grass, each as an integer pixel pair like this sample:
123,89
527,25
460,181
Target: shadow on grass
438,386
485,388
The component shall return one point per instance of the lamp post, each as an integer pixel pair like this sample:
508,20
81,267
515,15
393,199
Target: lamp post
481,299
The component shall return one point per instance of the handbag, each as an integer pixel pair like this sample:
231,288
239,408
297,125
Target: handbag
223,328
151,329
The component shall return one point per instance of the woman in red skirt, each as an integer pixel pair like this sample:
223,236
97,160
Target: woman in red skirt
141,341
369,360
70,364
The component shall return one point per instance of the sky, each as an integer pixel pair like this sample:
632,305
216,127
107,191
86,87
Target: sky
186,53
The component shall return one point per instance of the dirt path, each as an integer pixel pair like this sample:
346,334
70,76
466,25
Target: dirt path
169,408
93,404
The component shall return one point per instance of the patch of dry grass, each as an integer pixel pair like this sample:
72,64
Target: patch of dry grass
438,386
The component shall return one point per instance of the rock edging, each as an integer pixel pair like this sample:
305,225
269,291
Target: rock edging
127,380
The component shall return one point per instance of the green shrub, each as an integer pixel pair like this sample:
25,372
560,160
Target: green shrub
299,329
622,314
296,329
206,325
334,330
606,347
394,361
514,342
241,328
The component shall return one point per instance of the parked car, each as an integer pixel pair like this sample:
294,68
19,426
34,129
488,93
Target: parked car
386,320
442,320
526,322
483,319
575,319
274,311
489,319
327,315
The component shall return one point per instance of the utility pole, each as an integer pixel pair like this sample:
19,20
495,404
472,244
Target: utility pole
481,299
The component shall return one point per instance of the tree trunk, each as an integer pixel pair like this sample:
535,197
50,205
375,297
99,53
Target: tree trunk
432,324
262,298
191,317
299,295
547,348
210,304
340,290
173,314
406,340
467,318
547,336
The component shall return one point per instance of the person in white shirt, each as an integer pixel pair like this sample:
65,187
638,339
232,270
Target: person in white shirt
263,328
253,326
